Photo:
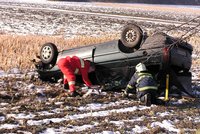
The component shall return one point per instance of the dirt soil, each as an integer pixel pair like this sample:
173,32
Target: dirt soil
31,105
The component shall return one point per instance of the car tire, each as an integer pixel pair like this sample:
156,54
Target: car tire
49,53
132,36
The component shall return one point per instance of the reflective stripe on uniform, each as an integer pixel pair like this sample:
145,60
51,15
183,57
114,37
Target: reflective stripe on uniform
147,88
82,63
71,83
143,75
76,71
129,86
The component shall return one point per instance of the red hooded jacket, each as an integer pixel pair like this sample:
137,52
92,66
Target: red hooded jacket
70,66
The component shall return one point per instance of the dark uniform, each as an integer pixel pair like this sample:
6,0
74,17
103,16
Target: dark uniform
145,86
143,82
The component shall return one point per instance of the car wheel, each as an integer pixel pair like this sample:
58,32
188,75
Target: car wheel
49,53
131,36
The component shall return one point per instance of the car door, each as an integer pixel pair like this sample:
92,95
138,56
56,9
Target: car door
108,55
82,52
111,63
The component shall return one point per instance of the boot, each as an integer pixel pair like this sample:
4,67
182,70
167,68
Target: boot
65,86
72,94
146,99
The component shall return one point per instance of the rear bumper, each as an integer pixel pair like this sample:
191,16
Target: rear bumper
183,81
180,58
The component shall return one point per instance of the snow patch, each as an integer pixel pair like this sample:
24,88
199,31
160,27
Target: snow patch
2,118
167,124
8,126
14,71
96,106
139,129
117,123
109,132
2,73
21,116
4,104
163,114
85,115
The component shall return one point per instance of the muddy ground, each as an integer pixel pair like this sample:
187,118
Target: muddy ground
30,105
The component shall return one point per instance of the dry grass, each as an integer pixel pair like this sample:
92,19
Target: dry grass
17,51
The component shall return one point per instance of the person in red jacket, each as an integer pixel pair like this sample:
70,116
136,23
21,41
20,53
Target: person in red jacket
71,66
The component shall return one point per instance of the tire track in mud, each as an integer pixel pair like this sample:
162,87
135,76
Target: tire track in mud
85,117
47,111
36,118
109,122
99,116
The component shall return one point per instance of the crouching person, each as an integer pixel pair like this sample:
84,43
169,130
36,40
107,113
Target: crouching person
72,66
144,84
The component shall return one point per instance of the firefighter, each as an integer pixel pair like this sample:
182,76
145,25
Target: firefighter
72,66
144,84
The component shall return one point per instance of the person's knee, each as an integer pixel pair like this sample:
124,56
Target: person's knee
141,93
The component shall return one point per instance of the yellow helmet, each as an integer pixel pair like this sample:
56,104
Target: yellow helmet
140,67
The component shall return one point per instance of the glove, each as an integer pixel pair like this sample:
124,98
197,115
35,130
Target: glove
126,92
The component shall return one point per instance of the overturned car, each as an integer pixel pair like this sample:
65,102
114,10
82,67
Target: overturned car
116,60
